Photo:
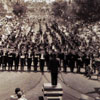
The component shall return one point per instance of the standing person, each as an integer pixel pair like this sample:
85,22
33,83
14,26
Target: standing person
72,61
65,62
1,57
22,60
47,58
79,63
61,57
4,60
17,56
10,60
42,62
35,62
29,60
54,64
87,63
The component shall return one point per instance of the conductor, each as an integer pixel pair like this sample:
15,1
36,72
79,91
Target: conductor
54,64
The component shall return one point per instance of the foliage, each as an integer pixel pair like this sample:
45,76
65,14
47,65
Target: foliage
19,9
59,9
88,10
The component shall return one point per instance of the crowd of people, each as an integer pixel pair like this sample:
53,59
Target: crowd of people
33,49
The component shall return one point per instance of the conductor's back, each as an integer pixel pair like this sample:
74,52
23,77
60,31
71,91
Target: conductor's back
54,65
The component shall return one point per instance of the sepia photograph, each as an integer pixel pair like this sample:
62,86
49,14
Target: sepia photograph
49,49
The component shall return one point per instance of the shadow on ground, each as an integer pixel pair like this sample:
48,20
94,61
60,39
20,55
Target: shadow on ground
96,90
41,98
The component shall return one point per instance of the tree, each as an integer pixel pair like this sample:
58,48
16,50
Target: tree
59,9
19,9
88,10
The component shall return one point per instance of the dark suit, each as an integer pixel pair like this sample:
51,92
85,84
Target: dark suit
16,61
87,62
35,63
47,57
42,62
22,59
29,60
71,62
54,64
65,62
0,59
61,57
10,61
4,60
79,64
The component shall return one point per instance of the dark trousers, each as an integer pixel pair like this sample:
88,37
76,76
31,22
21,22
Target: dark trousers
79,65
64,65
10,63
29,62
4,63
35,66
47,64
22,63
54,77
72,68
42,65
0,61
16,65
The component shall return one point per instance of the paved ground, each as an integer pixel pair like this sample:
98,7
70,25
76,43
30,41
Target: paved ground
75,86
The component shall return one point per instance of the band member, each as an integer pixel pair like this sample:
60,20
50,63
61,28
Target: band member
71,61
79,63
1,57
47,58
65,62
29,60
61,57
42,62
87,62
10,60
17,56
54,64
4,60
22,60
35,60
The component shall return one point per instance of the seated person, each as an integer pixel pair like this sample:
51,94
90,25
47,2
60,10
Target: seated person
18,95
21,96
14,97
